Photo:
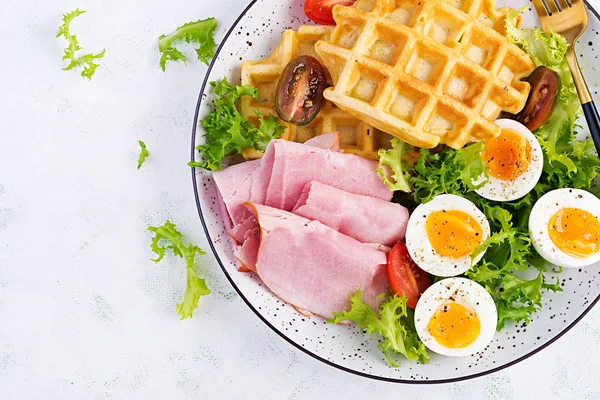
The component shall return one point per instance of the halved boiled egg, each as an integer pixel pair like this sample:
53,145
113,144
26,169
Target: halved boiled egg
456,317
564,226
442,234
514,161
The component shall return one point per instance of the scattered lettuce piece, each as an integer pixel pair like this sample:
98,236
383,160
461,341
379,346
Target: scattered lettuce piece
449,171
227,132
200,32
86,60
394,158
143,154
395,324
168,237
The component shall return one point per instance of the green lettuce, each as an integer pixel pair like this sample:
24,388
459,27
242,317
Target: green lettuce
86,60
508,250
168,237
394,323
394,159
449,171
144,153
200,32
227,132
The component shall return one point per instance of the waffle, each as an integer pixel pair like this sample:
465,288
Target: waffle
428,72
356,137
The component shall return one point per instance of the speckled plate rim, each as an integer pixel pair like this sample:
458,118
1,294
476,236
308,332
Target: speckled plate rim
263,319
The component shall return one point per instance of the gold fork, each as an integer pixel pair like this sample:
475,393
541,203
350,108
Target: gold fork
570,18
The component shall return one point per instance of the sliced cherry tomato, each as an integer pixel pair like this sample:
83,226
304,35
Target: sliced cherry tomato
321,12
405,276
545,88
299,93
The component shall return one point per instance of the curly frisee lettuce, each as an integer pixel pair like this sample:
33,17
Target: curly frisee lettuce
394,323
168,237
227,132
200,32
86,60
144,153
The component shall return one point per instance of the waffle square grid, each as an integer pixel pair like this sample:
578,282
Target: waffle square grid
428,72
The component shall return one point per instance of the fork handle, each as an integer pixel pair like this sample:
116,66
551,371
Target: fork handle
593,120
587,103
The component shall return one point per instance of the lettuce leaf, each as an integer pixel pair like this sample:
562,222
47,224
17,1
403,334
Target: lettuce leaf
394,159
86,60
200,32
449,171
144,153
168,237
227,132
508,250
394,323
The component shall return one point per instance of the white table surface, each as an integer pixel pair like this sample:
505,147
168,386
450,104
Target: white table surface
84,313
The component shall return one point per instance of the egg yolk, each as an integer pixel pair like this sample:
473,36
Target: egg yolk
507,156
453,233
454,326
575,232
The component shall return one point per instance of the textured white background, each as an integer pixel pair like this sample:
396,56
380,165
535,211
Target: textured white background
84,313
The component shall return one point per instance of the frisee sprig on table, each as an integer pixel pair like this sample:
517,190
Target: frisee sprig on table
86,60
200,32
394,323
144,153
168,237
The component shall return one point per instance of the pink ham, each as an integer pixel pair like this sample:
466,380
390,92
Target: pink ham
233,184
364,218
246,253
238,232
294,165
329,141
312,266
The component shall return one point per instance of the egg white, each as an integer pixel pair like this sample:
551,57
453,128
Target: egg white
499,190
419,246
467,293
548,205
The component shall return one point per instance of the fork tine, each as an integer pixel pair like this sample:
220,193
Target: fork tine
541,8
558,5
551,5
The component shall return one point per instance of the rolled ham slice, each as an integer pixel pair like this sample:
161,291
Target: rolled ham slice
295,164
234,184
314,267
329,141
248,181
365,218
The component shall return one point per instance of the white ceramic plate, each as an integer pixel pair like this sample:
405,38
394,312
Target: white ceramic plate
253,36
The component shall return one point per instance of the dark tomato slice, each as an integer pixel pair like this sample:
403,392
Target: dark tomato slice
299,95
321,12
545,84
405,276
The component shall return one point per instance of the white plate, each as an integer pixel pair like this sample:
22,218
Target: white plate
253,36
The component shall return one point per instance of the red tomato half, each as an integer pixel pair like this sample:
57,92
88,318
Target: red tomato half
405,276
320,11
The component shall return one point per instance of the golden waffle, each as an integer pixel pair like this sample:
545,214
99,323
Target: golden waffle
426,71
356,137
